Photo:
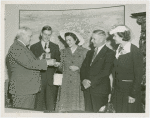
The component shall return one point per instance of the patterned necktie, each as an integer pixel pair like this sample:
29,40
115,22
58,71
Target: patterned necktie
94,55
120,49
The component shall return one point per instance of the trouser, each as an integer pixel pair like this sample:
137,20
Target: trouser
51,97
23,101
46,98
93,102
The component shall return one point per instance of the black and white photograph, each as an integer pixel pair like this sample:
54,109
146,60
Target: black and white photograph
74,58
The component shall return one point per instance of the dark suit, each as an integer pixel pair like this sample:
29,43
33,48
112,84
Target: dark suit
127,74
48,95
98,73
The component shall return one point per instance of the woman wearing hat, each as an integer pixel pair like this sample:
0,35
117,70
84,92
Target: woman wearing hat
71,96
127,73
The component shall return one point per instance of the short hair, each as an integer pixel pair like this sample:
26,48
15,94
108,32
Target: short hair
99,32
126,35
47,27
73,36
22,31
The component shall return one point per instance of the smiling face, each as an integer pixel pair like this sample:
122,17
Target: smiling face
46,34
98,39
70,41
117,38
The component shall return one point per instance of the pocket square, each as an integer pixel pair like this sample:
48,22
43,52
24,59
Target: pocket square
127,80
123,52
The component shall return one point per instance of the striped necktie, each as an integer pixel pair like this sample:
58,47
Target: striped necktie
94,55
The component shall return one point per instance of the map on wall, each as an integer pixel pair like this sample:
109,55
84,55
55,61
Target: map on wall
82,21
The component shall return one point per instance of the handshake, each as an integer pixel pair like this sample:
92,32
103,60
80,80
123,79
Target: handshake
52,62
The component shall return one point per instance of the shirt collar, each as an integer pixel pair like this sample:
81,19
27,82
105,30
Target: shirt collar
43,43
21,42
99,48
127,47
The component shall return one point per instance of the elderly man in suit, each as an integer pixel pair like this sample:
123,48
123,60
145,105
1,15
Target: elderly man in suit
46,99
95,72
23,69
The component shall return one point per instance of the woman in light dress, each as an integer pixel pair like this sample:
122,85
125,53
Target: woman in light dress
71,97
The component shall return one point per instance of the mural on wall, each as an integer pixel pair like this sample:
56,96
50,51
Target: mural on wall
81,21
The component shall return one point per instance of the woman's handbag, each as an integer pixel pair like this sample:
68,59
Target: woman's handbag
57,79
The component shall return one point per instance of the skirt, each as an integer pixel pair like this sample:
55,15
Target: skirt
121,105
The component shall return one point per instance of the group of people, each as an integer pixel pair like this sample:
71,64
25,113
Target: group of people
86,85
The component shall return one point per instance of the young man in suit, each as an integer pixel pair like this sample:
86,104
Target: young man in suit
95,72
46,99
23,70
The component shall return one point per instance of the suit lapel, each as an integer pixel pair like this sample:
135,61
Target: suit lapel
51,47
41,47
29,52
91,56
100,54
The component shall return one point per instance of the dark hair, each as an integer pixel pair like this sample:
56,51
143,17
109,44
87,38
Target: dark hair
99,32
45,28
73,36
126,35
112,42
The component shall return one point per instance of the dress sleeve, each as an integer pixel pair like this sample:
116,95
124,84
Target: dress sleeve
83,58
138,71
62,56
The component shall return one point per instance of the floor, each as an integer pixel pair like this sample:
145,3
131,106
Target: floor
12,110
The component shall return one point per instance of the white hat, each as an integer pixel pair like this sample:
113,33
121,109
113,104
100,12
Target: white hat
62,34
118,29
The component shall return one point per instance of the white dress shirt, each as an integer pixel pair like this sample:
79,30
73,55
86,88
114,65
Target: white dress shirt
99,48
126,49
43,44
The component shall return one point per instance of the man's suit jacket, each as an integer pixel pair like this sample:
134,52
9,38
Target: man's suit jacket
37,50
23,70
98,73
128,71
